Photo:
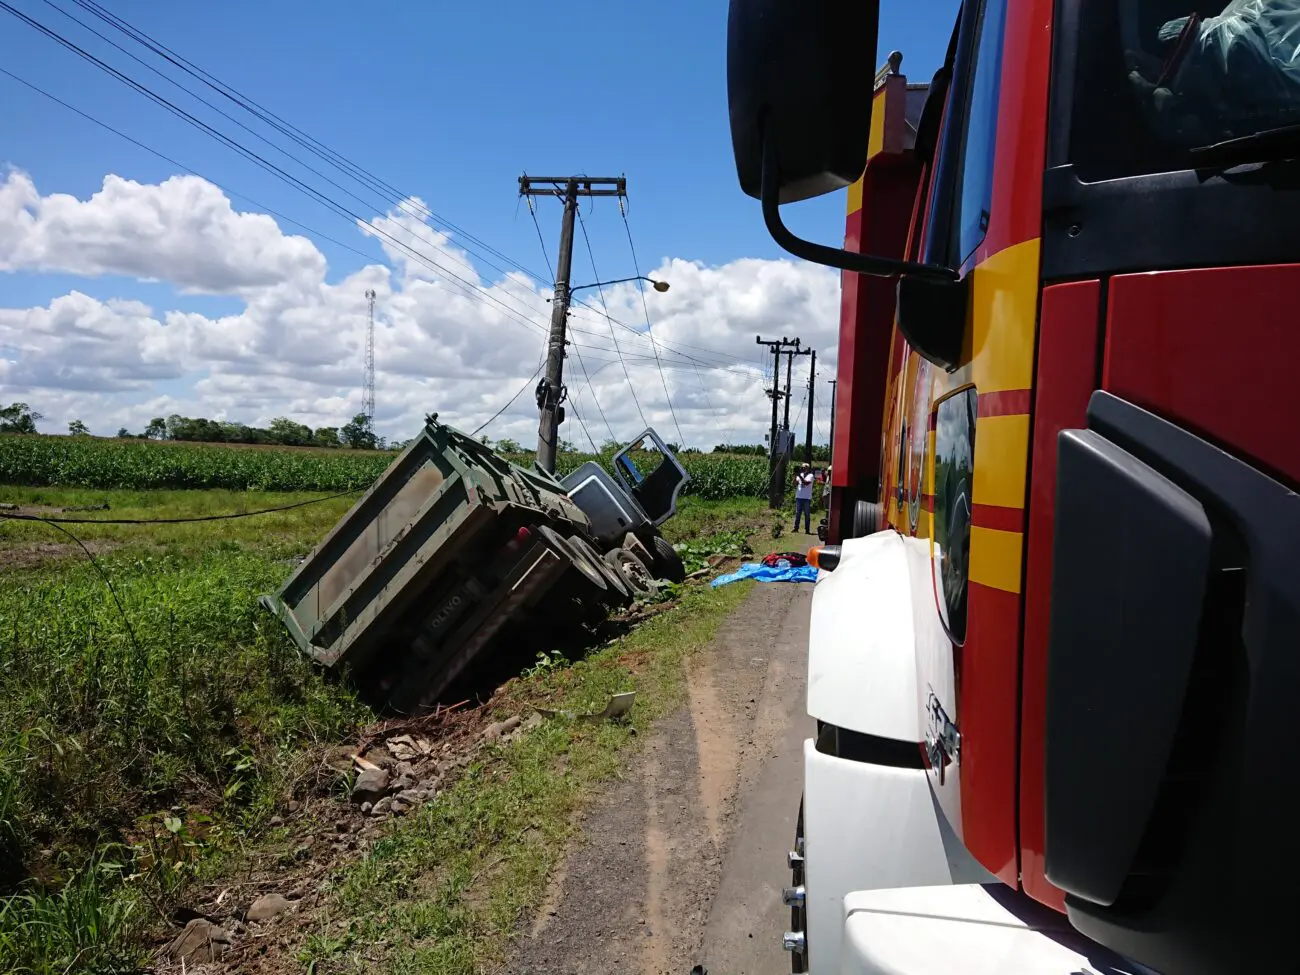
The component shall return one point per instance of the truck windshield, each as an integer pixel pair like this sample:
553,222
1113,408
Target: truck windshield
1158,81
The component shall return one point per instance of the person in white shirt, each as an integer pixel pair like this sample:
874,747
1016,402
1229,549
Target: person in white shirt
803,488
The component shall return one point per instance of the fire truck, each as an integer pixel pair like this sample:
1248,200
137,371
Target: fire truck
1055,640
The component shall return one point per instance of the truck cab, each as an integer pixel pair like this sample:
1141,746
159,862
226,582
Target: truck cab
1059,630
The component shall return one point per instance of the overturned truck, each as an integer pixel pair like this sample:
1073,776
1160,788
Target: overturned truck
455,552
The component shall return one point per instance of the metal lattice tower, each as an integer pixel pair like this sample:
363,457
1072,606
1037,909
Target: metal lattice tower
368,384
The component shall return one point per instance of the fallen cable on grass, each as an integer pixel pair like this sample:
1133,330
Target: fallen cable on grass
615,707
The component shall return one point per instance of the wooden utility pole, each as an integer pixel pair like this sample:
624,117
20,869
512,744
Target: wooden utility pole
551,391
812,377
777,453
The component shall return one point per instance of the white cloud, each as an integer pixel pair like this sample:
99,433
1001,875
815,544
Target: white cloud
182,230
295,347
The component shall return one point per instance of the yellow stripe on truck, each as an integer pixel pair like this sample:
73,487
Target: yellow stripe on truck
1004,310
995,558
1001,455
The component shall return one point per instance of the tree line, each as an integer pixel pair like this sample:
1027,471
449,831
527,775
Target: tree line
282,431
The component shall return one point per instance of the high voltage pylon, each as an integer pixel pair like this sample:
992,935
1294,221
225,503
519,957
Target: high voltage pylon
368,383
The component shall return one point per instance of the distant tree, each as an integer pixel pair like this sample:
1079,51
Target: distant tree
326,437
156,430
289,432
567,447
485,440
19,418
507,446
123,433
357,434
610,447
78,429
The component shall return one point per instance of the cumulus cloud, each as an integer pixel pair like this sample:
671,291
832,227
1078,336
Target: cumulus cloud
182,230
450,337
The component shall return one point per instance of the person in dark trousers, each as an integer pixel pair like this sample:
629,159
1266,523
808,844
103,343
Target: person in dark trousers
803,488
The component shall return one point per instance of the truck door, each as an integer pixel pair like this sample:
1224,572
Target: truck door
652,474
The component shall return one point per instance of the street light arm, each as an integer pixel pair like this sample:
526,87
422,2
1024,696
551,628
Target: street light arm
658,285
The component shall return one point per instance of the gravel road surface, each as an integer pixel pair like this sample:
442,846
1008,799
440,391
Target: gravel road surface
682,860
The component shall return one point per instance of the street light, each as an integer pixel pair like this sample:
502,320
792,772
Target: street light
659,286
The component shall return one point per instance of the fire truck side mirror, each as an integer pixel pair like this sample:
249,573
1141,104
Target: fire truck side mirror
800,108
795,80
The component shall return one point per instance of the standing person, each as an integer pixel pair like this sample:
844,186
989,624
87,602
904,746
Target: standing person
803,487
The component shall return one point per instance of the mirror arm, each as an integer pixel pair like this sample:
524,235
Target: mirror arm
820,253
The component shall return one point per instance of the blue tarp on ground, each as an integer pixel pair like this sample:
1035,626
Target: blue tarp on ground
766,573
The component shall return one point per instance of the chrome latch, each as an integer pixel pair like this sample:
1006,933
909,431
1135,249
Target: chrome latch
942,739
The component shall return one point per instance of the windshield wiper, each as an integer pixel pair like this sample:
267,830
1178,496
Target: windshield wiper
1257,147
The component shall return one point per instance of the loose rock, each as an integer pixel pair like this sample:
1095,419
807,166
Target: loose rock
405,781
371,785
382,807
200,941
267,906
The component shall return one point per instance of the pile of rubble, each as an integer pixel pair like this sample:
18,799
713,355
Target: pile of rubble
405,771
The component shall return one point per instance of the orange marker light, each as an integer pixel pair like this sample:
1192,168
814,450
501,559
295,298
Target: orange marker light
824,557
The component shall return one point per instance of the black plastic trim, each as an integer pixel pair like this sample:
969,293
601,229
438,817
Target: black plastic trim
854,746
1222,838
1169,220
1131,557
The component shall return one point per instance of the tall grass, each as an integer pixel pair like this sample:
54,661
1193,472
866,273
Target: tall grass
154,730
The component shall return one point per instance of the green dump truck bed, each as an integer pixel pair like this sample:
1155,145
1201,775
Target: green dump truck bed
451,548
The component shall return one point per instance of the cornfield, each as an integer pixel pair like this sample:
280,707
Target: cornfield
36,461
41,461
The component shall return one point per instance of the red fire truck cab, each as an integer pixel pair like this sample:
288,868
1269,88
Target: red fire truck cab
1054,657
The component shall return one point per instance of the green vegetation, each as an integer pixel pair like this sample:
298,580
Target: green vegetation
94,463
139,746
445,891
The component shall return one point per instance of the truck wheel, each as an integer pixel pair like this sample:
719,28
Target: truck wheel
575,558
620,594
866,519
667,561
634,572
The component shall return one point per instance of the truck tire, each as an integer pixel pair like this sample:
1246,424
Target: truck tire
634,571
866,519
620,594
667,561
575,558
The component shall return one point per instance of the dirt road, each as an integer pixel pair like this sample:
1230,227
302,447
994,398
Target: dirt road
682,861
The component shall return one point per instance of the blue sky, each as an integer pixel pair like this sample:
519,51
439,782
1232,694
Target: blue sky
447,101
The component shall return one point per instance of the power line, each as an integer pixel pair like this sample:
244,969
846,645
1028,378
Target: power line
228,516
509,402
532,210
319,149
474,289
366,178
601,291
681,438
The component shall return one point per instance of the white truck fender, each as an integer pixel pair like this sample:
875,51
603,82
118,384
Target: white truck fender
861,642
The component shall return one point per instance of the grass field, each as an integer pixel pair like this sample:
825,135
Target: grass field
89,462
147,728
